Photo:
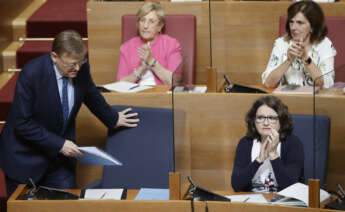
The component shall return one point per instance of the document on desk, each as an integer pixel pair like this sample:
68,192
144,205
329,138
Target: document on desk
299,191
97,194
153,194
95,156
126,87
251,198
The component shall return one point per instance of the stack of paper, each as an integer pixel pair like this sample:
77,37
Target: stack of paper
153,194
126,87
299,191
94,194
95,156
252,198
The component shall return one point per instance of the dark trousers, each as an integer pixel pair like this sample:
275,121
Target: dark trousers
60,174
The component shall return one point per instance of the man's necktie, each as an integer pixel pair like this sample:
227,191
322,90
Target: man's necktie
65,109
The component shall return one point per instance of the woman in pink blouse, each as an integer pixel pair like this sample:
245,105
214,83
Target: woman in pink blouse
150,58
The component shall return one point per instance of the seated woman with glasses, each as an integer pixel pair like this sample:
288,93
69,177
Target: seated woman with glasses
269,158
150,58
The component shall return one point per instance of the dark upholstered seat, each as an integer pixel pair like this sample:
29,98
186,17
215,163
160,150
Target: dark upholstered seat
147,152
303,128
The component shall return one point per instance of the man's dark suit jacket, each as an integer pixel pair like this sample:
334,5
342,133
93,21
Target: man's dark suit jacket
33,134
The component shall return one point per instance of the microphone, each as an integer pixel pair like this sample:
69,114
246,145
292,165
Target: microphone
314,112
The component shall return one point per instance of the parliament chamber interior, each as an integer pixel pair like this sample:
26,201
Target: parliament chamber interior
232,38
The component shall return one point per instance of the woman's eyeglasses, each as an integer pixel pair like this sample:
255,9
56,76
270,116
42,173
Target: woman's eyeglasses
270,119
148,21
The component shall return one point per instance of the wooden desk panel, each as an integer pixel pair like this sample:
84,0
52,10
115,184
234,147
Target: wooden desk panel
242,35
209,126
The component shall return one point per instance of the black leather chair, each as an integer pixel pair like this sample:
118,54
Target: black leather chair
147,152
303,128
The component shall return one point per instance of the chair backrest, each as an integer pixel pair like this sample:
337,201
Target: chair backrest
336,32
303,129
147,151
180,27
3,192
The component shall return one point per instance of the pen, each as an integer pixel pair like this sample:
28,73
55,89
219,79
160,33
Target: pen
135,86
246,199
341,190
103,195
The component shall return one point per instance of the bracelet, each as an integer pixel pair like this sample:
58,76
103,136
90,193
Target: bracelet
153,64
307,61
136,74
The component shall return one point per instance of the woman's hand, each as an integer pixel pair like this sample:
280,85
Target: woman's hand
273,141
263,151
145,54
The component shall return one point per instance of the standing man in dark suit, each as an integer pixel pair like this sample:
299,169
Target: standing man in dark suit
37,140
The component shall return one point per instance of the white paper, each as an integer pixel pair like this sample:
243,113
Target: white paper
300,191
192,89
96,156
96,194
126,87
252,198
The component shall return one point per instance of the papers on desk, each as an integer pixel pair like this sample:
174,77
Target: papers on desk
96,194
95,156
191,89
153,194
251,198
125,87
299,191
295,89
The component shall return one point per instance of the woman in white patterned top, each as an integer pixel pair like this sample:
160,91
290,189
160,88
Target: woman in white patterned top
305,53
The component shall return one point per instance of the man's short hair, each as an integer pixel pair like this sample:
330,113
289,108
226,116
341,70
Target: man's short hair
70,42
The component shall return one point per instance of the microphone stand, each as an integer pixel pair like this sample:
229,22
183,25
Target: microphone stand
212,73
314,184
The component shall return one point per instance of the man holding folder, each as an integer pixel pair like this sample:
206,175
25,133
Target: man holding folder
37,140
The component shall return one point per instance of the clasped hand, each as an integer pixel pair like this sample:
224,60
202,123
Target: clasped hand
269,147
297,50
145,54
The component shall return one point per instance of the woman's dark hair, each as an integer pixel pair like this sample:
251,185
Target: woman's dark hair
313,12
279,107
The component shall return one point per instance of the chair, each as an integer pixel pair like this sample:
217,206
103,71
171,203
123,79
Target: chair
181,27
303,129
3,192
147,152
336,31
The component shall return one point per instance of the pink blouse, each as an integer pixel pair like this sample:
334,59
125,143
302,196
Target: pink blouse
166,50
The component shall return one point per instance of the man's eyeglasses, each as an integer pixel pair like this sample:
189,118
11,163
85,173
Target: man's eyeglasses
149,21
270,119
73,65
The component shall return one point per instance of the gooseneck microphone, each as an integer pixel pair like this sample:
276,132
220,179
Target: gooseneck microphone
314,112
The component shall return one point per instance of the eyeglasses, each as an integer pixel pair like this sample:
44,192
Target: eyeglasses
270,119
73,65
149,21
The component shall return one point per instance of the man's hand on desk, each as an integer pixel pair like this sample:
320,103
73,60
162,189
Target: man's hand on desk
126,120
70,149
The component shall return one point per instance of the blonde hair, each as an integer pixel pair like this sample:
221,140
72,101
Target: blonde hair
148,7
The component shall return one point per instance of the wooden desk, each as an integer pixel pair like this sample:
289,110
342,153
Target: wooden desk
207,130
15,205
